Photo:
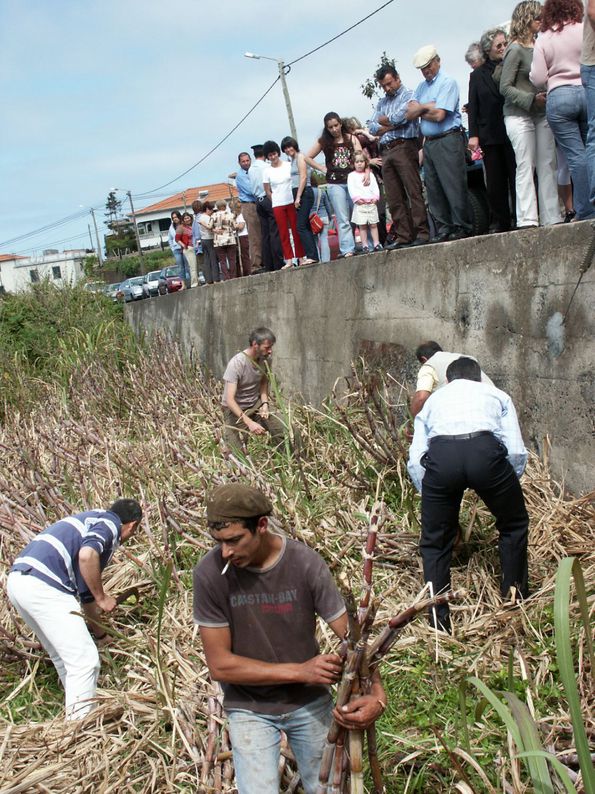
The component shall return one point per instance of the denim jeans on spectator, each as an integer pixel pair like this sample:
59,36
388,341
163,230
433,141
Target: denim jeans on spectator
256,739
566,112
588,78
342,207
303,223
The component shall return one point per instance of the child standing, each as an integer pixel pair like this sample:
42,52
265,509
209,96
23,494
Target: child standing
365,200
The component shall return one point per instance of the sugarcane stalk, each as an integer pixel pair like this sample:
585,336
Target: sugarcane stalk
338,764
377,518
373,759
384,642
356,747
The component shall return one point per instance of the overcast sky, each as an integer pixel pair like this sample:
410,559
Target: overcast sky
130,93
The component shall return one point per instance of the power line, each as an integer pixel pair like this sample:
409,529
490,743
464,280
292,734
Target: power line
55,242
338,36
216,146
62,222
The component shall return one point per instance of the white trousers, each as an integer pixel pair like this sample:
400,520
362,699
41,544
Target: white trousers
64,636
535,151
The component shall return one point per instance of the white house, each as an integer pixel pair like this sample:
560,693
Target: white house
154,221
17,273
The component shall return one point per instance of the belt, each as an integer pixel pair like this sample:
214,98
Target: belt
247,202
385,147
462,436
444,134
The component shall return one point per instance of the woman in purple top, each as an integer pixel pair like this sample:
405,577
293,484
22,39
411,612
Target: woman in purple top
339,148
556,65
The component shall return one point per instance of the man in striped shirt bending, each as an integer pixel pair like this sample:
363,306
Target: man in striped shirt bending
62,565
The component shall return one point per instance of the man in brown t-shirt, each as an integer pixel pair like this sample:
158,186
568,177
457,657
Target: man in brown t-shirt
256,598
245,398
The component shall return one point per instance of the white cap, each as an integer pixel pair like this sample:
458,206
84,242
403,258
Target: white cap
424,55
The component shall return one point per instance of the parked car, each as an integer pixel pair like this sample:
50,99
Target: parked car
173,279
111,290
151,284
131,289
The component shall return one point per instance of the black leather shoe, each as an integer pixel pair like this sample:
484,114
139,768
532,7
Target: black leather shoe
396,246
440,238
460,234
419,241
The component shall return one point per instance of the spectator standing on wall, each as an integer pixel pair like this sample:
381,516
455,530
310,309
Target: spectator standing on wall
526,124
184,239
277,184
475,55
224,239
322,207
588,80
244,265
436,105
365,202
487,130
174,245
211,266
303,195
467,435
556,65
339,148
272,253
248,200
400,160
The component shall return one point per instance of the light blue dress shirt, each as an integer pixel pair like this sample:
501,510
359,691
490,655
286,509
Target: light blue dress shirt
196,235
466,406
444,91
395,108
256,173
244,186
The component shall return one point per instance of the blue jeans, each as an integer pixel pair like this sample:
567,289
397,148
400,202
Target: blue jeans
342,207
566,112
256,739
588,79
181,263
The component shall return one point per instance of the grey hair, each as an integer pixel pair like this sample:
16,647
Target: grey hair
474,54
487,39
261,335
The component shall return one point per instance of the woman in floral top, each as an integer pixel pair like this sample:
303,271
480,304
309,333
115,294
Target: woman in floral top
224,238
339,148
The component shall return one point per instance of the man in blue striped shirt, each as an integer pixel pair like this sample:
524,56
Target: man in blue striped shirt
62,565
467,435
400,160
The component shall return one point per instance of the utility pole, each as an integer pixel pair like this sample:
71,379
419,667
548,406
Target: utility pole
99,251
140,250
282,74
90,237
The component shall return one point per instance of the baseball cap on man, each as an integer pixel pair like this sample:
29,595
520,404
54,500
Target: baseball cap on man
233,501
424,55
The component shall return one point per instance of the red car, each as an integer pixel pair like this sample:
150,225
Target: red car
172,277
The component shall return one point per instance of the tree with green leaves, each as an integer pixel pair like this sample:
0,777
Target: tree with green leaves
113,206
370,87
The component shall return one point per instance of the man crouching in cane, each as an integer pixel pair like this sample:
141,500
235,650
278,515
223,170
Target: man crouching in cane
256,598
62,564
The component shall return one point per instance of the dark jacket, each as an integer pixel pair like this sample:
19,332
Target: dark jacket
484,108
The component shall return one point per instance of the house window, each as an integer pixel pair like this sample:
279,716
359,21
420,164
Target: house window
149,227
164,224
34,276
56,272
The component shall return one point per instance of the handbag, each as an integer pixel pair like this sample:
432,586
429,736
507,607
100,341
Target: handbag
316,222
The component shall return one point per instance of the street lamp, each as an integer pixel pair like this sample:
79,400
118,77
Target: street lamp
283,70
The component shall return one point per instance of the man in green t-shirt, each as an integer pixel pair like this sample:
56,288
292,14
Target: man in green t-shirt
256,598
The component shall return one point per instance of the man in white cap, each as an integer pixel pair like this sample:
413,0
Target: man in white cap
436,105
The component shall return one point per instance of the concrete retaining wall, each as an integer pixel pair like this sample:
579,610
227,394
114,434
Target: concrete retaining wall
489,296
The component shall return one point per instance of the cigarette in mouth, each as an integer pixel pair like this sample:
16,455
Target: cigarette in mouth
227,564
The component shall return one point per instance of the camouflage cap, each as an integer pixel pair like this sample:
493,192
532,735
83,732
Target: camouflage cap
232,501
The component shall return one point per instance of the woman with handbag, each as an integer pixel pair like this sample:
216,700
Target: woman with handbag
303,194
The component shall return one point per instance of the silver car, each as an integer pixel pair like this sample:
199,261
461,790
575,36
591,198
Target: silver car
151,283
131,289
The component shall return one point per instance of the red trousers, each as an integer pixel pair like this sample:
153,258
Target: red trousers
286,218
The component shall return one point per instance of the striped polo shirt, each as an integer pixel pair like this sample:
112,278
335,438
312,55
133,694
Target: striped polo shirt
52,555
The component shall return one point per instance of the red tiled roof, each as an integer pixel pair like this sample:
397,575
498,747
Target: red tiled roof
10,257
221,190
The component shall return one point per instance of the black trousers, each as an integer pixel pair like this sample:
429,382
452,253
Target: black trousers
479,463
500,166
272,255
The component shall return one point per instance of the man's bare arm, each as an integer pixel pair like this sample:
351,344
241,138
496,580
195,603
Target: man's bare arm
230,668
417,402
89,565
